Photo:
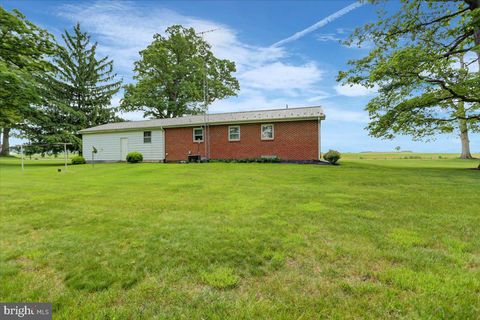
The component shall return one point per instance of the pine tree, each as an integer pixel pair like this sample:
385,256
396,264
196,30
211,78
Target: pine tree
77,93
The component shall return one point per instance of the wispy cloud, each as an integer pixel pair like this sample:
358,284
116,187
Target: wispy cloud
123,29
340,35
281,76
336,114
354,90
268,79
324,37
319,24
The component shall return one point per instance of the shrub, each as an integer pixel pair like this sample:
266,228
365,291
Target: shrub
332,156
78,160
134,157
265,159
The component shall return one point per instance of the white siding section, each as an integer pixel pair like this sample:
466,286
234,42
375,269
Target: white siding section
108,145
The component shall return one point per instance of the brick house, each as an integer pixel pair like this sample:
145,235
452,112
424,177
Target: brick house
289,134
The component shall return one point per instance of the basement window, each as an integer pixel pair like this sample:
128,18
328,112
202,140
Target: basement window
197,134
234,133
267,132
147,136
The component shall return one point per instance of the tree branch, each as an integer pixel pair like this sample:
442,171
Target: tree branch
442,18
456,43
424,24
444,85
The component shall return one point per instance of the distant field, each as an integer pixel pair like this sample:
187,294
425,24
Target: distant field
401,155
384,239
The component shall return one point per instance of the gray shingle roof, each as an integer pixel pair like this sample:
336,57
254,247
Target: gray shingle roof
216,118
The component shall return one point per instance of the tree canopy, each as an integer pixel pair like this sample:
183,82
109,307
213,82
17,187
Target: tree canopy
415,64
24,49
173,73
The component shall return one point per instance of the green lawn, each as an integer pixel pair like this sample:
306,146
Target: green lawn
366,239
401,155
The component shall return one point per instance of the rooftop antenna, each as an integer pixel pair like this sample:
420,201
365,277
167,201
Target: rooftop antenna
205,98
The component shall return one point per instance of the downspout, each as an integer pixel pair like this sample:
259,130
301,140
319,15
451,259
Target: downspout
164,146
319,138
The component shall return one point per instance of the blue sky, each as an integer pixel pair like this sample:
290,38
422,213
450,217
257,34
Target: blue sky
299,72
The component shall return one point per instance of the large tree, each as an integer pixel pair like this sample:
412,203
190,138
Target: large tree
178,74
76,94
24,49
417,63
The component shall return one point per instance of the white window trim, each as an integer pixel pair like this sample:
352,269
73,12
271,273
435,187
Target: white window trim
193,135
239,133
273,131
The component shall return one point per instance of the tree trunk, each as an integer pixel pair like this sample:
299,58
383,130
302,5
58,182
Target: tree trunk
464,138
475,4
462,123
5,142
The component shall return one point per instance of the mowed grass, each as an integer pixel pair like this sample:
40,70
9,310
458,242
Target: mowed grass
401,155
366,239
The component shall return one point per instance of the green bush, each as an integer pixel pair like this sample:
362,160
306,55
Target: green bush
272,159
332,156
134,157
78,160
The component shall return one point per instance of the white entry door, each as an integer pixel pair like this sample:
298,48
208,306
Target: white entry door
123,149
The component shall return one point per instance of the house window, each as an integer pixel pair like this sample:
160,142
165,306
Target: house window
267,132
147,136
234,133
197,134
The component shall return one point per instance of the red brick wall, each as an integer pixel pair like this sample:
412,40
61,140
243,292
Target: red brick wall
295,140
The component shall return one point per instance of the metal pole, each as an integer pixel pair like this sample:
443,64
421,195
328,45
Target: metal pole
21,151
65,154
206,139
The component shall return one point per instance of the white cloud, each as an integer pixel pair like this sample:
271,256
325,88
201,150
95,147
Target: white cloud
324,37
267,80
342,34
319,24
338,114
123,29
132,115
281,76
318,95
354,90
256,100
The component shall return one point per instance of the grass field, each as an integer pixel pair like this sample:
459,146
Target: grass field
367,239
401,156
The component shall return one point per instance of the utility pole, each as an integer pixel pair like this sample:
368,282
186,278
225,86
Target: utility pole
205,101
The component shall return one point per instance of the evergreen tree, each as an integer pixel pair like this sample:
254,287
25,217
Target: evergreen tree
76,95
